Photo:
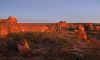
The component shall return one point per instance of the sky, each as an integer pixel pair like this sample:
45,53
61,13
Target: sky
38,11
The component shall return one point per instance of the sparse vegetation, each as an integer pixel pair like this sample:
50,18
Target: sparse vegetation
44,46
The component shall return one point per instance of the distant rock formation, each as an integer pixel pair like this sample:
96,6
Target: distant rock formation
12,20
11,25
81,33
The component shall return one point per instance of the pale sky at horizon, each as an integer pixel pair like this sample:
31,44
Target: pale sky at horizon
51,10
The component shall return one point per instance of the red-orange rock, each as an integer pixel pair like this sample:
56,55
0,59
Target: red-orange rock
61,24
23,47
80,33
81,28
10,25
11,20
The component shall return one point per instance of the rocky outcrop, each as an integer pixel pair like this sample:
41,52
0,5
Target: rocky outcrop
11,26
81,33
23,47
3,30
11,20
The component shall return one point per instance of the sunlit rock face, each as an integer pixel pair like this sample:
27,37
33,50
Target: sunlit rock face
23,47
13,28
3,30
8,25
3,21
61,26
11,25
81,33
11,20
43,28
81,28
